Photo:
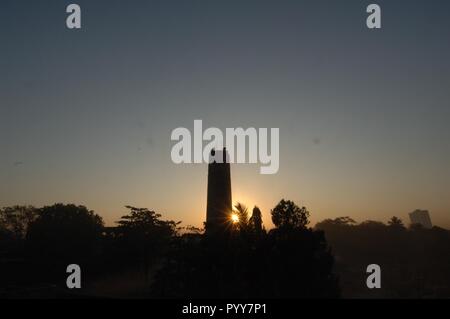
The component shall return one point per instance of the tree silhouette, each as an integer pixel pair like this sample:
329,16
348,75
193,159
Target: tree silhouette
143,235
301,264
6,241
301,261
145,226
288,215
189,229
396,223
242,212
255,222
64,233
17,219
329,224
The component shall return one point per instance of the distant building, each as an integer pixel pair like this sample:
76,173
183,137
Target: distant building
218,207
421,217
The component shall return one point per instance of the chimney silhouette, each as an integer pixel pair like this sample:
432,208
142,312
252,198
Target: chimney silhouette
218,207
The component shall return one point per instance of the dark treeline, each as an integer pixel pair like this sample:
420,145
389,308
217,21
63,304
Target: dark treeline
144,255
415,261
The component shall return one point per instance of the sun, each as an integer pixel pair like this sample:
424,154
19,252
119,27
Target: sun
234,218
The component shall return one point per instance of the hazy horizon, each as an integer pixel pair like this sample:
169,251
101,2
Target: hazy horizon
86,115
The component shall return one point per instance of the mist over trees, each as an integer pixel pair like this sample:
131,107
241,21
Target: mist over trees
415,261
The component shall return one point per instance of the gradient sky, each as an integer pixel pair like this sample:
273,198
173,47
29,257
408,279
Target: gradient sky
86,115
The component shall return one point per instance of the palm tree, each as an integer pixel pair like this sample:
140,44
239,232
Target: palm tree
396,223
241,211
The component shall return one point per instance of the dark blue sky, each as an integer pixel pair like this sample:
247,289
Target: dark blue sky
86,115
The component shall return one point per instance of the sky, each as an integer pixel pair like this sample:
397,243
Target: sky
86,115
